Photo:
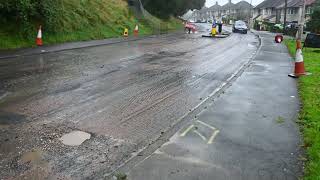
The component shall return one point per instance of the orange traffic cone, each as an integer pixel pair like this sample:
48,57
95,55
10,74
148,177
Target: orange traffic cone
299,64
136,31
39,37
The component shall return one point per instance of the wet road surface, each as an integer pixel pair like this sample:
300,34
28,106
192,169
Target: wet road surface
248,133
125,95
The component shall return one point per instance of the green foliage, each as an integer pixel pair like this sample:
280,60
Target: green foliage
167,8
70,20
26,14
314,23
309,118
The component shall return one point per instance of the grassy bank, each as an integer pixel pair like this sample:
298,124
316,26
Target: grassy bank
309,90
83,20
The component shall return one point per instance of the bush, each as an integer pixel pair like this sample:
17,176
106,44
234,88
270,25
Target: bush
314,23
29,13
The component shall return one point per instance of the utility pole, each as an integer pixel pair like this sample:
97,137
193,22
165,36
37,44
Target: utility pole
302,19
251,15
285,16
229,11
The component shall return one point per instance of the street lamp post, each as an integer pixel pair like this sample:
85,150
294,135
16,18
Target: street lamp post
251,15
302,20
285,16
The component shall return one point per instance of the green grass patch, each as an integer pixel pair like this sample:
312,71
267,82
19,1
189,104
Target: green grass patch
280,120
81,20
309,118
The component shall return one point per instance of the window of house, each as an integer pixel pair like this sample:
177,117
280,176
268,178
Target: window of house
309,10
292,11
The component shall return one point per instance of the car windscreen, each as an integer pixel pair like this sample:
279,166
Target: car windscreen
239,23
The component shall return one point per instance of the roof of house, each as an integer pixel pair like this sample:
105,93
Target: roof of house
228,6
204,9
214,7
309,2
243,5
269,17
280,3
269,4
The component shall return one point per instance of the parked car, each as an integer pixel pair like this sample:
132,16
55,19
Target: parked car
240,26
278,26
190,27
312,40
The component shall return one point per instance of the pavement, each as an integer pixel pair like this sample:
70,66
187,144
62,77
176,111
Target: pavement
246,132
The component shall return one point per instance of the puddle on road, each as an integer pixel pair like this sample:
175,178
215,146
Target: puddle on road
2,126
34,157
75,138
256,68
7,118
39,168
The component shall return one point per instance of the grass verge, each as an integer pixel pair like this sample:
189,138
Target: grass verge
309,118
85,20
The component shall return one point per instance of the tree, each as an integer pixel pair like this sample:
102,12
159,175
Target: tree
167,8
314,23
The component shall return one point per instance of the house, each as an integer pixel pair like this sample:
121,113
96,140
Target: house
273,11
215,11
240,10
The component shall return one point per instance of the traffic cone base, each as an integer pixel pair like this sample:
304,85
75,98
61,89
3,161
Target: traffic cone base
299,69
39,42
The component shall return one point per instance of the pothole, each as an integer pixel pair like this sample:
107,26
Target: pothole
34,157
75,138
256,68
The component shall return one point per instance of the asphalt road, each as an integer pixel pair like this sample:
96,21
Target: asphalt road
246,132
125,95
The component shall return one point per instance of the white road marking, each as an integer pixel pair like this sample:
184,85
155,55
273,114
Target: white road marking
187,130
215,133
202,137
205,124
212,137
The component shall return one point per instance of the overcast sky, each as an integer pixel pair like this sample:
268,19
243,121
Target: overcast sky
222,2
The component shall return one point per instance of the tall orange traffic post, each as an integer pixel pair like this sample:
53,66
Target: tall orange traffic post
39,37
136,31
299,69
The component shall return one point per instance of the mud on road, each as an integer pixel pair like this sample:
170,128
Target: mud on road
124,95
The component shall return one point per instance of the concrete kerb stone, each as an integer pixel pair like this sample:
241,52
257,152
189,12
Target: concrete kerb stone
41,50
86,44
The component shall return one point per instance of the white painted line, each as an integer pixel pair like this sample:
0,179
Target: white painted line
187,130
205,124
202,137
215,133
4,95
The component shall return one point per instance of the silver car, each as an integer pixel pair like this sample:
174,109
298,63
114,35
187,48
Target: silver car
240,26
